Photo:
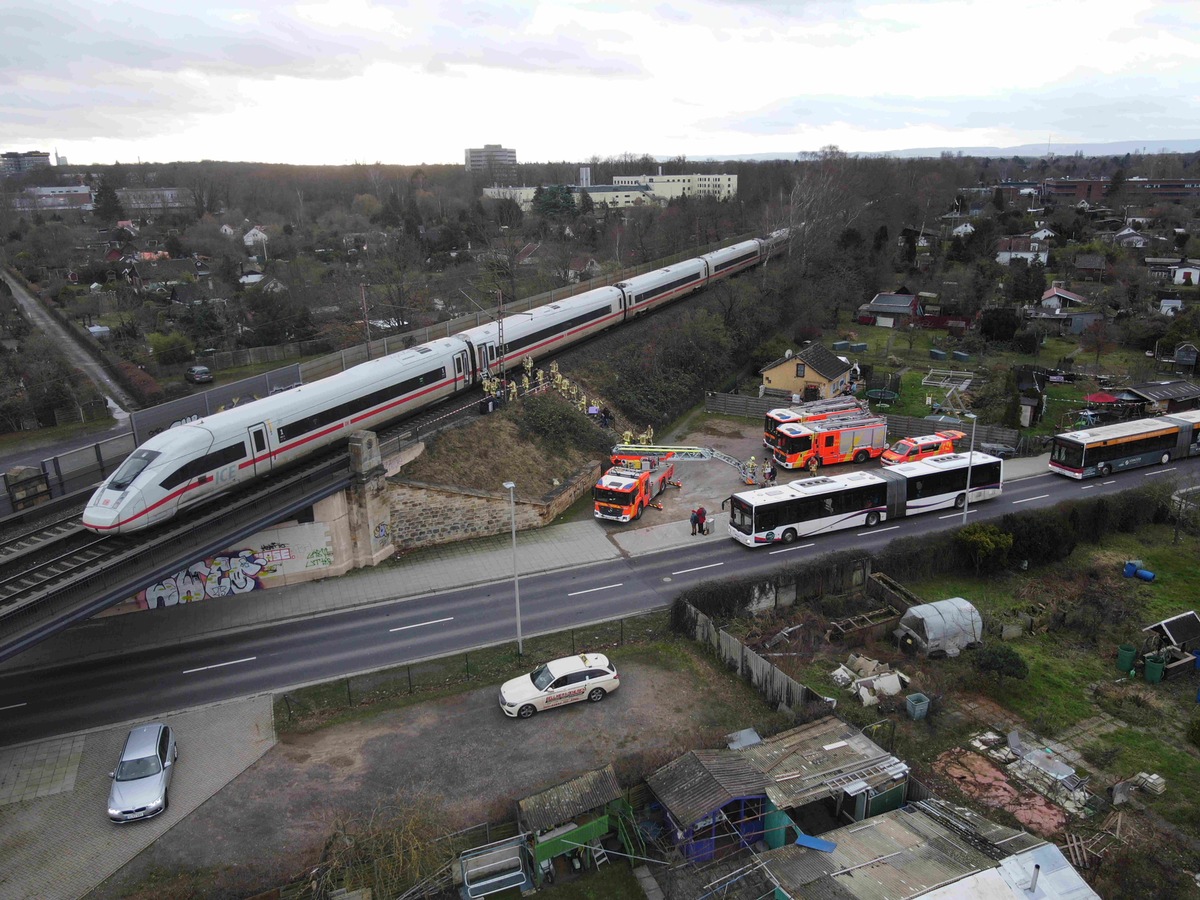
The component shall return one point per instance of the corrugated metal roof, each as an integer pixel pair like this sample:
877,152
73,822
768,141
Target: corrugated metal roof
566,801
1165,390
888,857
702,781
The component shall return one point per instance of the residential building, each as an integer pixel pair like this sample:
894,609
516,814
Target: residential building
669,187
812,374
500,162
14,163
1058,297
149,201
254,236
890,309
55,199
1021,247
1095,189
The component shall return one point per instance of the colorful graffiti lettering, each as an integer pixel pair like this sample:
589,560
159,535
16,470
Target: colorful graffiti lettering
321,556
217,576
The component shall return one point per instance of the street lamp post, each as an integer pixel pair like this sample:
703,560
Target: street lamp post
512,505
970,460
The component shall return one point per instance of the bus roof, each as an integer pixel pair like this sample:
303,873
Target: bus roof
809,487
942,463
1132,428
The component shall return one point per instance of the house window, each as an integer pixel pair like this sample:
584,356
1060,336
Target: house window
799,370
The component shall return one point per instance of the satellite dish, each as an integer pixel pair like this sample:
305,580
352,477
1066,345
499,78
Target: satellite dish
788,355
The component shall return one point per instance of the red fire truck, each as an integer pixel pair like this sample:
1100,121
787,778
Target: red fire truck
814,411
631,485
832,441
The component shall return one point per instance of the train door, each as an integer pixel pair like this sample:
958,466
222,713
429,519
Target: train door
260,452
462,371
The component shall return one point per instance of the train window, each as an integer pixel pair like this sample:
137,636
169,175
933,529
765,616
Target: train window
132,468
260,442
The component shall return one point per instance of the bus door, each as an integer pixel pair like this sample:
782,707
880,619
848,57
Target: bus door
897,494
259,449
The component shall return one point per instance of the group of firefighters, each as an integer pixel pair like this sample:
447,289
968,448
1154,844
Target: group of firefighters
758,474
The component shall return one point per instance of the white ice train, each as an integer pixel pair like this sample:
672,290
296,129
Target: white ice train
195,461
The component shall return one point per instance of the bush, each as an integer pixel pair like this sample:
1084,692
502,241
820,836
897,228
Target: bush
1000,661
985,545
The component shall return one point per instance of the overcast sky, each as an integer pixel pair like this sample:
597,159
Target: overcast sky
417,82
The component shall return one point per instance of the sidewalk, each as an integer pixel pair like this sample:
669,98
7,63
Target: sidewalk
422,572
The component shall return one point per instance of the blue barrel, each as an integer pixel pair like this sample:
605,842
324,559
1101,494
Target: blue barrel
1144,574
1130,569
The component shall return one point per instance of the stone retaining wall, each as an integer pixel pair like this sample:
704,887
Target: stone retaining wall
425,515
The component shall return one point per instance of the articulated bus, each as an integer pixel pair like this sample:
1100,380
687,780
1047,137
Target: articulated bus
1126,445
813,506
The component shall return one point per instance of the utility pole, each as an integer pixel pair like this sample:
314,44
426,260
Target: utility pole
362,287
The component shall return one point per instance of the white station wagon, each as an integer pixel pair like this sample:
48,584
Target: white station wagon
588,676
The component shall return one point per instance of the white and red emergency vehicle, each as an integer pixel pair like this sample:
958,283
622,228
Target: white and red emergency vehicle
625,490
913,448
813,411
831,441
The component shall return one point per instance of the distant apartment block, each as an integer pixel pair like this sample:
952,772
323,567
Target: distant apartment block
494,159
1095,189
668,187
614,196
14,163
54,199
137,201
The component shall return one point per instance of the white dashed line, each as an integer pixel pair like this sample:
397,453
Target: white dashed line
232,662
14,706
607,587
423,624
1027,499
697,569
877,531
790,549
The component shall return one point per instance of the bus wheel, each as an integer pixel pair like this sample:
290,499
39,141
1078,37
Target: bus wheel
1166,458
960,501
1104,470
789,536
872,519
861,456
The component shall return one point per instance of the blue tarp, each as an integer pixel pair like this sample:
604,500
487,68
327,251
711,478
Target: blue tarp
815,843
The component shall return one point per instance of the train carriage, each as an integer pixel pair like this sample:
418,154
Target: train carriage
731,260
192,462
644,293
545,329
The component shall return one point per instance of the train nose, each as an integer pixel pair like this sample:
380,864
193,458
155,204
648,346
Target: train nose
109,512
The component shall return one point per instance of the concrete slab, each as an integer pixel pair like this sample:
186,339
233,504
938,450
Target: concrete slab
65,791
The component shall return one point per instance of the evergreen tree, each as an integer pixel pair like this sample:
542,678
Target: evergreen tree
107,205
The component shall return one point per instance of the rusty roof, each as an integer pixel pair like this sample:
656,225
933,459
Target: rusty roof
566,801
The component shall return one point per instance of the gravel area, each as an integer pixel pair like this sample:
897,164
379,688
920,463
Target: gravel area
460,755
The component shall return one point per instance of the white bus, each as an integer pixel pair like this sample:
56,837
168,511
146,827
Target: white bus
813,506
1126,445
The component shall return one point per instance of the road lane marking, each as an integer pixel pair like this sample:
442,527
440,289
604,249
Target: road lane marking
1027,499
607,587
423,624
877,531
958,515
697,569
232,662
14,706
1087,487
790,549
1160,472
1109,482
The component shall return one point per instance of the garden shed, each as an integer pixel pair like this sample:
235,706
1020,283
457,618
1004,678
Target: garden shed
940,629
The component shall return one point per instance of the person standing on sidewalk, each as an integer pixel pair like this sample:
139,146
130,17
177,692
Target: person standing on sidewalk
701,515
695,521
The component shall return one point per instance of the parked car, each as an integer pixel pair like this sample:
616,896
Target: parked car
588,676
142,779
198,375
1000,451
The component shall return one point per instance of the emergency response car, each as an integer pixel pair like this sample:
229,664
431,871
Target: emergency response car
914,448
587,676
625,490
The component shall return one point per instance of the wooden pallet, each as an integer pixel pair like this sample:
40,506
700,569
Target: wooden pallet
1077,851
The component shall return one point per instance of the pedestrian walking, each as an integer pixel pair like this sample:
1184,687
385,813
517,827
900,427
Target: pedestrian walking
695,521
771,474
701,516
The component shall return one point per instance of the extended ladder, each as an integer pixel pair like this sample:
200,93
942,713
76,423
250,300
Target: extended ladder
681,454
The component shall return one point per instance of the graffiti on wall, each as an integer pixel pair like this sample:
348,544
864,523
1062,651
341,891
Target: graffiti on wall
217,576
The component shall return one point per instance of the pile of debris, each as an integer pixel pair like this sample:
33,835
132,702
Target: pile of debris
869,679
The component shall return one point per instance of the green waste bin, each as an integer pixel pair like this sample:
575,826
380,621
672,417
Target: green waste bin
918,706
1154,669
1126,654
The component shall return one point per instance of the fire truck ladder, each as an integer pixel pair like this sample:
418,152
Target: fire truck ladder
681,454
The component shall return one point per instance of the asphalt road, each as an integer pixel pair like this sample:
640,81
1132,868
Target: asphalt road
48,702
